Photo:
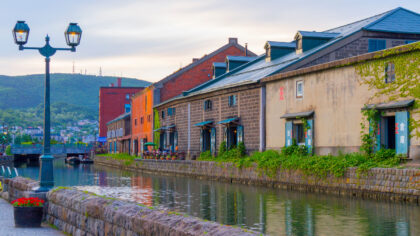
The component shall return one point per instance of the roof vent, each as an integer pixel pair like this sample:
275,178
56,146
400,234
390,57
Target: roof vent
233,40
274,50
218,68
307,40
195,59
235,61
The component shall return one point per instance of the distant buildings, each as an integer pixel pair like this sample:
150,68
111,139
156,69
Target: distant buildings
113,101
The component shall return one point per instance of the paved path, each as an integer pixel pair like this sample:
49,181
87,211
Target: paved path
7,224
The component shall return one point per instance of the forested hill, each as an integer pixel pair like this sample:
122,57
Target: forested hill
21,92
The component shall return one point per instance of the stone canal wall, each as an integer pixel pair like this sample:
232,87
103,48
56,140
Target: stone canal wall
81,213
6,160
378,183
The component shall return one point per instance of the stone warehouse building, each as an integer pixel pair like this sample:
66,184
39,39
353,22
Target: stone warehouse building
119,134
331,97
188,77
232,106
113,101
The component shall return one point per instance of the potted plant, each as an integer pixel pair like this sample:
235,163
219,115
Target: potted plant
28,212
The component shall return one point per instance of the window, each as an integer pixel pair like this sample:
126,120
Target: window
135,122
141,120
208,105
171,111
127,108
376,45
163,114
127,96
149,118
299,134
299,89
389,72
232,100
145,103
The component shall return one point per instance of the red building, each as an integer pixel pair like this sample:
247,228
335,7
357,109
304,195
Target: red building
196,73
113,101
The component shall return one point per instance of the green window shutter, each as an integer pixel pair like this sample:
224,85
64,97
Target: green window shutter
240,134
201,140
288,134
377,144
309,136
225,135
175,139
402,140
213,141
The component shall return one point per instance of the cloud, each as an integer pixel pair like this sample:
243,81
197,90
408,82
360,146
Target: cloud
151,39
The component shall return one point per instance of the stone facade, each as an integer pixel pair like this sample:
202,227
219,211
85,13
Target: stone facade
333,92
378,183
191,111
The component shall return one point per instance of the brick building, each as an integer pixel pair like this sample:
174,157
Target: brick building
119,134
190,76
113,101
231,107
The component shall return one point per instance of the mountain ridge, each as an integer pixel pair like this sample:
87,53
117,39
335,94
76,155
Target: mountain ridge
27,91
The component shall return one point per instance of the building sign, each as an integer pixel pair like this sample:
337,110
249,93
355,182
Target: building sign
281,92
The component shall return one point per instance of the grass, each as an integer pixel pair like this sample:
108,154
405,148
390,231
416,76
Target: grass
126,158
297,158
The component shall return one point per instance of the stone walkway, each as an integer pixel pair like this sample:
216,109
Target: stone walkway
7,224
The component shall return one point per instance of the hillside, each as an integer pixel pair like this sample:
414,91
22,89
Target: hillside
22,92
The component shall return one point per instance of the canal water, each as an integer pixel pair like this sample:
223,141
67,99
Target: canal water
270,211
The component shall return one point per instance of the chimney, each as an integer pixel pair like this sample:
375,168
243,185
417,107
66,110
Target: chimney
195,59
119,82
233,40
246,49
112,85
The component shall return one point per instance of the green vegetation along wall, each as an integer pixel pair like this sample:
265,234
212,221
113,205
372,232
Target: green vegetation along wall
407,78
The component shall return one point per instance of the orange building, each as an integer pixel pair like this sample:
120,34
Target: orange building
142,118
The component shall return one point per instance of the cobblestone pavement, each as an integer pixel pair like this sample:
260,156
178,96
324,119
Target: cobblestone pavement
7,224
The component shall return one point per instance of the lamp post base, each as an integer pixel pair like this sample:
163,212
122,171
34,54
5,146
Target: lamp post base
46,173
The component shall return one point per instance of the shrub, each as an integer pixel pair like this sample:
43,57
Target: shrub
205,156
222,148
9,150
241,149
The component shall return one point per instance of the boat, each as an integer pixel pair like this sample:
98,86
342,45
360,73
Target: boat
86,160
72,160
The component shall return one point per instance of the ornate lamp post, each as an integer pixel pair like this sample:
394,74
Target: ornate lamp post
73,35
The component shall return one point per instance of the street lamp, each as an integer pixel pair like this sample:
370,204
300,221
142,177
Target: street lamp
73,35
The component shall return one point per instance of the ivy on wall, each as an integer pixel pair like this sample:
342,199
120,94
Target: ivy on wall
156,126
406,85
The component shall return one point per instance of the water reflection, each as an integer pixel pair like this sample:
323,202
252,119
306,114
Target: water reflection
270,211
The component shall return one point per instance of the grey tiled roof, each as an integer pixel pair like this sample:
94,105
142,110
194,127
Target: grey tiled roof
259,68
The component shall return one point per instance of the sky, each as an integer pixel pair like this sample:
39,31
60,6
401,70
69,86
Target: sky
150,39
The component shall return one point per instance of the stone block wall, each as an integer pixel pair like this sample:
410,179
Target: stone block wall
6,160
82,213
378,183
